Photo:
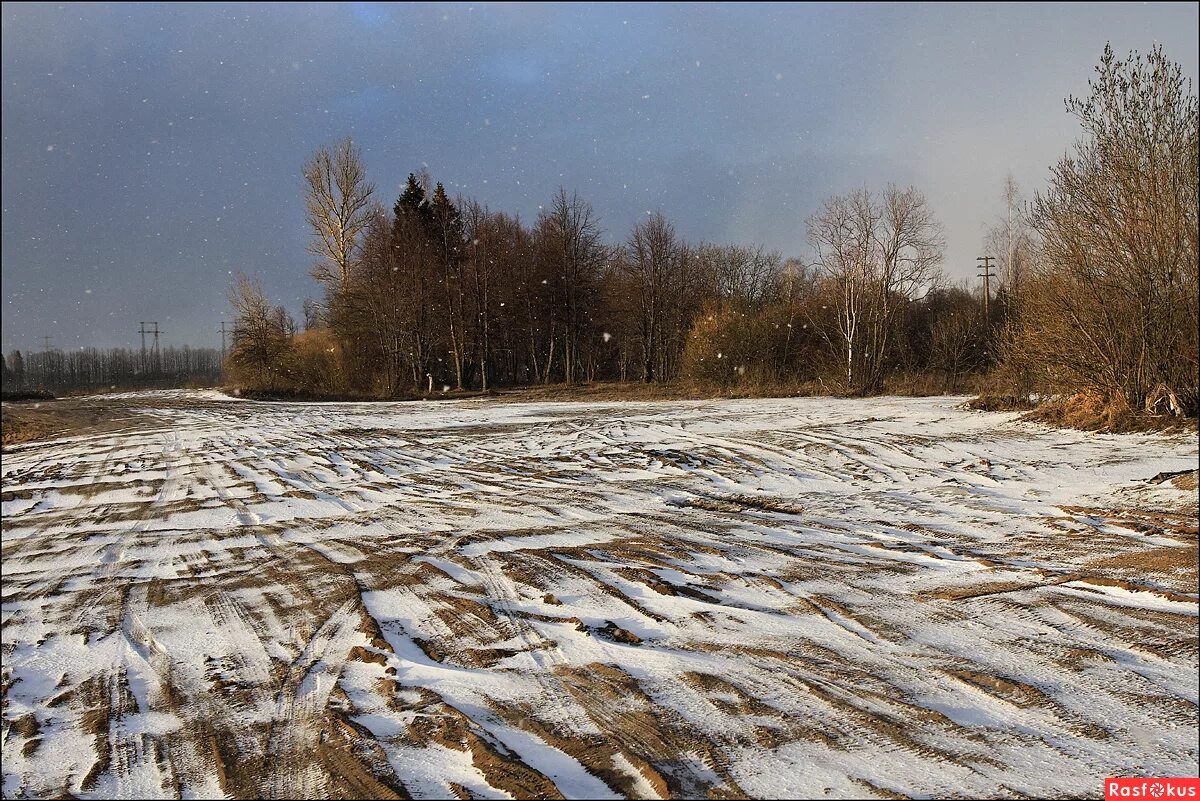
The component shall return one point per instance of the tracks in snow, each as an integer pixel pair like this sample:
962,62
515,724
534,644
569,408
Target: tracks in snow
761,597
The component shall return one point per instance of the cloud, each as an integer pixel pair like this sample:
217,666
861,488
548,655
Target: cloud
149,150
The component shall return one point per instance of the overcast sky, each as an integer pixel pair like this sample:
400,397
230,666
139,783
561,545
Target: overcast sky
148,151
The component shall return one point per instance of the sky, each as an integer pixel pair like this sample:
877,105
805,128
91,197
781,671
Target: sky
149,151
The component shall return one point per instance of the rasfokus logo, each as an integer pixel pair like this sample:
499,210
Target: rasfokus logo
1153,789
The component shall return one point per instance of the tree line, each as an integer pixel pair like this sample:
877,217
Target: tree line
110,368
1096,289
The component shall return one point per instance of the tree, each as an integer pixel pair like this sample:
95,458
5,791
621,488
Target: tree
373,314
879,253
741,274
1012,240
411,246
448,246
654,254
261,334
572,255
338,208
953,333
16,368
842,235
1114,307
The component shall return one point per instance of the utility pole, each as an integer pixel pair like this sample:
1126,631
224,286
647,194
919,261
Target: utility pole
986,275
142,360
143,331
157,354
224,331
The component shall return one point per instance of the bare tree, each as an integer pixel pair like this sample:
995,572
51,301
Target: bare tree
571,250
262,333
1012,240
1115,309
338,208
879,253
842,235
910,245
654,252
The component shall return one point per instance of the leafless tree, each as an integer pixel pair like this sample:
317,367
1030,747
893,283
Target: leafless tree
1115,307
572,252
880,253
338,208
654,255
842,235
1012,240
262,333
742,274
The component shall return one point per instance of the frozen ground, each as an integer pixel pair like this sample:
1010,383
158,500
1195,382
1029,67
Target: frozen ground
804,597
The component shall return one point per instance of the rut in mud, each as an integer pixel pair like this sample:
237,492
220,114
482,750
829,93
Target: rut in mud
770,597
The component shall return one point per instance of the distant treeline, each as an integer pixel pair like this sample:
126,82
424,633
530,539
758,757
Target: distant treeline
111,368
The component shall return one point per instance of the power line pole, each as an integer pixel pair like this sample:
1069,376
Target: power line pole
224,331
142,360
157,354
986,275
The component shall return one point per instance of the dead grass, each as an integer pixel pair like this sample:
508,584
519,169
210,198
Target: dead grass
31,422
1092,412
991,402
1174,567
1085,411
17,427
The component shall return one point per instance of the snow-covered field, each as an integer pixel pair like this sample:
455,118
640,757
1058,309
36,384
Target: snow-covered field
802,597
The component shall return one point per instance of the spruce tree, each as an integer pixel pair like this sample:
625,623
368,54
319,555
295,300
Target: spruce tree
412,204
448,225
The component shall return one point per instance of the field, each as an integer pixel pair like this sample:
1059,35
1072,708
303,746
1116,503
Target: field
798,597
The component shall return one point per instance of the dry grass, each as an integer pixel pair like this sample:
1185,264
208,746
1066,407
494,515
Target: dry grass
31,422
1093,412
990,402
25,423
1084,411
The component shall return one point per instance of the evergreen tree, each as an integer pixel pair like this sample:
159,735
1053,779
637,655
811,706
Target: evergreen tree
411,248
412,204
447,225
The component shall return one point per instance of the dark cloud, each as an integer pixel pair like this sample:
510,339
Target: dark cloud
148,151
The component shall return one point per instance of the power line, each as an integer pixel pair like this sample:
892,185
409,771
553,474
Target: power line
986,275
143,331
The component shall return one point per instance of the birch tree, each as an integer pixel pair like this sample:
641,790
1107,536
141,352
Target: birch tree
880,253
338,206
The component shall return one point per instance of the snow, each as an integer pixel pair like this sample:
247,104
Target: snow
831,598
